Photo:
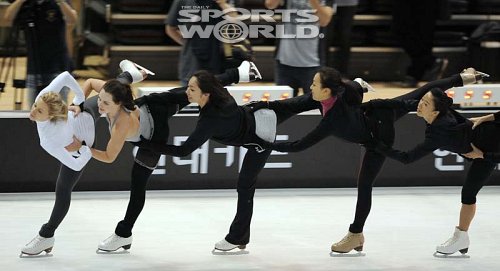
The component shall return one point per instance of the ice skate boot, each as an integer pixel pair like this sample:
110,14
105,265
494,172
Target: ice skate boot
458,242
37,246
366,87
248,72
113,243
224,246
349,242
137,72
471,76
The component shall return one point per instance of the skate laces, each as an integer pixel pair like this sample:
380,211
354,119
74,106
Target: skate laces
346,239
35,241
111,238
451,241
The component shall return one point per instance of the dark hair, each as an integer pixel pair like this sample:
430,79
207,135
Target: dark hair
121,93
208,83
442,102
330,78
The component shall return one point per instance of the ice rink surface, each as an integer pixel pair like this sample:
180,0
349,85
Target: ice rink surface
292,229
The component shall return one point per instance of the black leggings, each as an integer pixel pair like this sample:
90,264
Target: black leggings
477,176
485,138
373,161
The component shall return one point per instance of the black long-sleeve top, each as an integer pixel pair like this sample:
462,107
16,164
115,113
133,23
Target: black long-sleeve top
450,132
228,124
175,99
344,121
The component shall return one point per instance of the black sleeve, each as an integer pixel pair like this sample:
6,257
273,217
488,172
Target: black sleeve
230,76
315,136
421,150
497,116
408,105
200,135
173,96
295,105
492,156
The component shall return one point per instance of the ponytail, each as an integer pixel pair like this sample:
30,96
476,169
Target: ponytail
442,102
330,78
208,83
121,93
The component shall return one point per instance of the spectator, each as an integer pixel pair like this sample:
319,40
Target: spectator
340,32
197,53
298,60
414,24
45,39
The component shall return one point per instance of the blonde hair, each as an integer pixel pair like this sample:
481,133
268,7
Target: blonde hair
58,110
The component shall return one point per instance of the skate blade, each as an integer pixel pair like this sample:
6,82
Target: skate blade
485,75
230,252
107,252
334,254
241,251
253,67
450,256
39,255
144,69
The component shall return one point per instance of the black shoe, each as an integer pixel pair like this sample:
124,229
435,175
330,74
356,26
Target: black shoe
408,82
437,70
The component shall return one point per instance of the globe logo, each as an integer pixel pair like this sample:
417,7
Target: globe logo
230,32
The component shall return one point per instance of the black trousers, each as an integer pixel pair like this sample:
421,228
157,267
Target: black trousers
253,163
295,77
414,22
383,120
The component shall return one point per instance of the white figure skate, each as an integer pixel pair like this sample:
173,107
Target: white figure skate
38,245
366,87
248,72
223,247
113,243
137,72
458,242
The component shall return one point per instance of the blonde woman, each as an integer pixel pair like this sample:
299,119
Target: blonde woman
61,131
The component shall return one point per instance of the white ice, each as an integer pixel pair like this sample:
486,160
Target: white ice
292,229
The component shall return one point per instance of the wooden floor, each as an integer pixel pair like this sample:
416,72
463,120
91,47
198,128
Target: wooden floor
7,99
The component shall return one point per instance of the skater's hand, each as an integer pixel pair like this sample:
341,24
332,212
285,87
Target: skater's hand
477,121
257,105
75,109
75,145
475,153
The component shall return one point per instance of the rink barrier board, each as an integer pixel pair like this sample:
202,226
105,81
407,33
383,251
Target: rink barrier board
26,167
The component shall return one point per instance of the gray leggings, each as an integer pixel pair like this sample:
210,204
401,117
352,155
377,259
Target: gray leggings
67,178
65,182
